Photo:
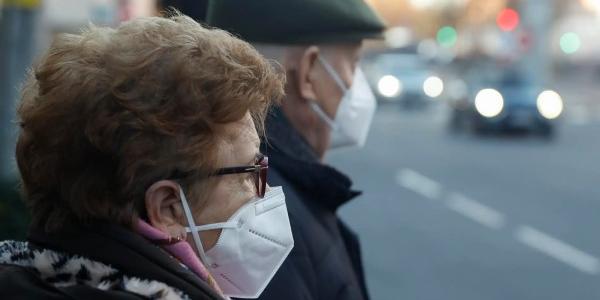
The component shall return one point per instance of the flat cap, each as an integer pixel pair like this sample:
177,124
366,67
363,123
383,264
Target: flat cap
296,21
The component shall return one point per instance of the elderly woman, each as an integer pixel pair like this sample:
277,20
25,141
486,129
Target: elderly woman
139,157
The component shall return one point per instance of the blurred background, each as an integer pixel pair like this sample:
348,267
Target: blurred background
481,169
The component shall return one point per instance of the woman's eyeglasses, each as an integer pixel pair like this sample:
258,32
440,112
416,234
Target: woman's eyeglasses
259,169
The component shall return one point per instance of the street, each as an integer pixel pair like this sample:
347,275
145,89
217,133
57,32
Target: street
114,104
448,216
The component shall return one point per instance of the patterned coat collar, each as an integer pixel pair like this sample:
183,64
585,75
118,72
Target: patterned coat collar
126,251
63,270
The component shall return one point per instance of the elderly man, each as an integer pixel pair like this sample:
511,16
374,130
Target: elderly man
328,104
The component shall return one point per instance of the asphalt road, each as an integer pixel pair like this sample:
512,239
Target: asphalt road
461,217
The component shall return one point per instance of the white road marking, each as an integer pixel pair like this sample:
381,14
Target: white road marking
419,184
493,219
475,211
558,250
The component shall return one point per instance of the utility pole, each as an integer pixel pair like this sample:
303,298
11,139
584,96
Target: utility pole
17,35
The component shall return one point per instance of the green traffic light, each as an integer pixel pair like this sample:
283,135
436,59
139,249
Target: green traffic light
447,36
570,42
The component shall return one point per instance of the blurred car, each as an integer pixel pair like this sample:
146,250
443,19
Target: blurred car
511,104
402,76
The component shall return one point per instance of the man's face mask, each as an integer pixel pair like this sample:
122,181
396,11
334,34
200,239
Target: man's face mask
352,121
253,244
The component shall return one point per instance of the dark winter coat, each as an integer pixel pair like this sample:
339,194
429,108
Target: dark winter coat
326,262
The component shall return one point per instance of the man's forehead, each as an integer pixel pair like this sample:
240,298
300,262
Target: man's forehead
342,54
341,49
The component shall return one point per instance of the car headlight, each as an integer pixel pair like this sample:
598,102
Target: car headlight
433,86
389,86
550,104
489,103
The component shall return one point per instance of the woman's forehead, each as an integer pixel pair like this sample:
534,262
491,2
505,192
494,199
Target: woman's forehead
241,141
243,131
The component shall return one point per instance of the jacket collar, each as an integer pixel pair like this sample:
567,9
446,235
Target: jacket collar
65,270
291,155
126,251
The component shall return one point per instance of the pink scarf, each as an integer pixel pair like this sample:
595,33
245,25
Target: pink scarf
182,251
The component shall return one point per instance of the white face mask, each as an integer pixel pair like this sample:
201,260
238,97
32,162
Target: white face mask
355,112
253,244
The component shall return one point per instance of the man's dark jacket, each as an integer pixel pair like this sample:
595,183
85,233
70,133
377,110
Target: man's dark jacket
325,263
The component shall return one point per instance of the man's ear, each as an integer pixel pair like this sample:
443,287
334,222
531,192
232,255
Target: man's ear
163,208
306,73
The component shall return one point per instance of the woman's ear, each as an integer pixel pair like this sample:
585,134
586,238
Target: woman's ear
306,73
163,208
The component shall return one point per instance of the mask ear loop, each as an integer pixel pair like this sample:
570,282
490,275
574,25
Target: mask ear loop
317,109
338,80
192,226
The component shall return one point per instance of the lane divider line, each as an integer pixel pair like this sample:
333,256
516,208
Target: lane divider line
558,249
476,211
419,184
489,217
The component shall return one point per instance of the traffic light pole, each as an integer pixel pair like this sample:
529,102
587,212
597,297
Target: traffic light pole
538,16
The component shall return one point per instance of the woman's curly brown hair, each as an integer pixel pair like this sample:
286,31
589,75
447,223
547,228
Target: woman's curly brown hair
107,112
